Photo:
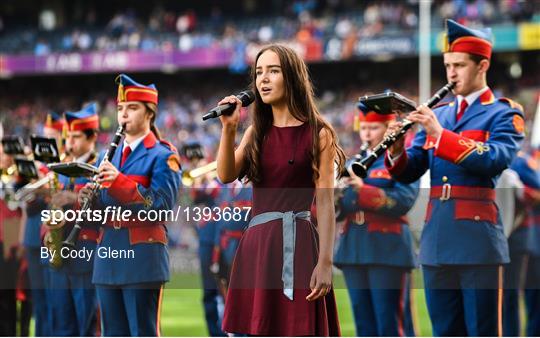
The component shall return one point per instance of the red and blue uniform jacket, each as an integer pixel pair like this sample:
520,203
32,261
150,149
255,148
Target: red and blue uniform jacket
210,195
148,180
527,169
376,229
463,224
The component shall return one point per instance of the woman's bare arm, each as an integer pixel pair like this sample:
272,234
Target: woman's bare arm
321,280
230,162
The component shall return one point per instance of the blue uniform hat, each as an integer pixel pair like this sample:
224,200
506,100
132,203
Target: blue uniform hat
129,90
55,121
463,39
367,114
86,118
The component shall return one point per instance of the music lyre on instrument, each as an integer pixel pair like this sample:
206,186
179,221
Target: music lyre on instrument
44,150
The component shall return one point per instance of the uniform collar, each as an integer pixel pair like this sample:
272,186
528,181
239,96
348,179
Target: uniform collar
482,94
83,158
148,140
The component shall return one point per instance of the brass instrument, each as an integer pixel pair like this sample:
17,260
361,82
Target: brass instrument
7,183
10,171
27,192
55,234
188,177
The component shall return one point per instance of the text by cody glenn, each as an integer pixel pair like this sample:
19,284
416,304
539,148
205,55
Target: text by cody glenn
121,214
87,254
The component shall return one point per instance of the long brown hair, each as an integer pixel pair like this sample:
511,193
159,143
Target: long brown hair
152,109
301,103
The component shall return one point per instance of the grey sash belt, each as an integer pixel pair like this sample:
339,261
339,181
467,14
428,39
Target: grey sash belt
289,241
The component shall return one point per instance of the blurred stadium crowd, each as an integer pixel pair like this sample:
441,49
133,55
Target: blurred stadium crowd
27,28
182,106
87,26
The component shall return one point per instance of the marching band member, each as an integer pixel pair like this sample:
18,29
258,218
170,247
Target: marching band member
375,249
532,292
72,294
144,174
206,193
14,300
466,144
229,233
9,218
281,279
54,128
38,269
524,168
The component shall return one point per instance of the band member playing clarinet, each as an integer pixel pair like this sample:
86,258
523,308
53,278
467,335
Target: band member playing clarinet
281,279
72,294
465,144
375,245
143,175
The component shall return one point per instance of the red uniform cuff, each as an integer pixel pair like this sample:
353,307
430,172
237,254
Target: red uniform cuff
125,190
370,197
532,195
399,164
453,147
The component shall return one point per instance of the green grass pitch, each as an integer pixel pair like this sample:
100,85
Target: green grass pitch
182,311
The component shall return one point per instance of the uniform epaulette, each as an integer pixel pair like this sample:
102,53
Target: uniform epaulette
168,145
442,104
511,103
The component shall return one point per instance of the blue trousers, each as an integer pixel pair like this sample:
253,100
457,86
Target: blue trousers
73,304
40,307
408,321
463,300
211,297
512,285
377,297
532,296
130,310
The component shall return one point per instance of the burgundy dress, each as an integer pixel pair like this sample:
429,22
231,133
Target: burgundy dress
255,303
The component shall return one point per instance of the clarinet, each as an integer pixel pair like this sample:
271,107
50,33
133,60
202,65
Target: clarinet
355,158
361,167
71,240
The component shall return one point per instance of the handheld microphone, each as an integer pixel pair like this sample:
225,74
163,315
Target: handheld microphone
247,97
